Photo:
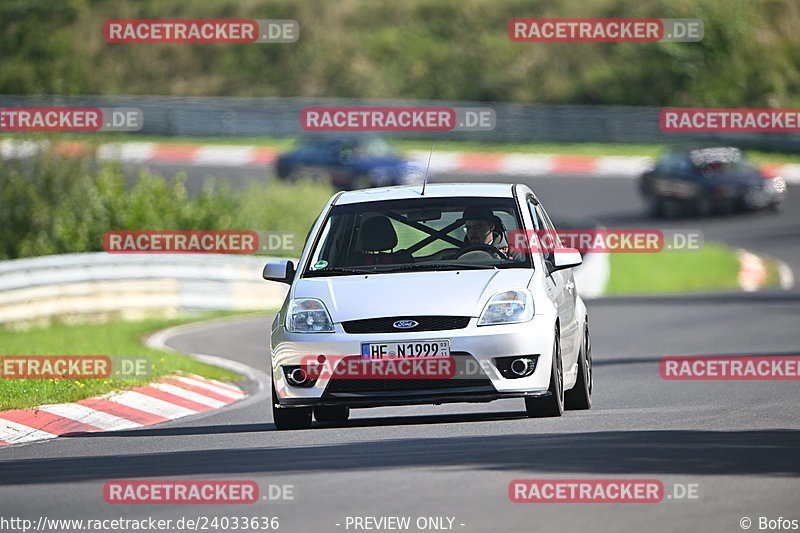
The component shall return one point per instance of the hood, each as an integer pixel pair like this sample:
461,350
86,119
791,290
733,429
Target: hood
739,177
455,293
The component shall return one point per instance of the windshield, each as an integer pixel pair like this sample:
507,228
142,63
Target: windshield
417,234
713,162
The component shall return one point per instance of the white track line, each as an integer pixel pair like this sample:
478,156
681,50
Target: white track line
188,395
220,384
211,387
14,433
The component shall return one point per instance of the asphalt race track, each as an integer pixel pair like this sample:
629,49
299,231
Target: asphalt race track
736,443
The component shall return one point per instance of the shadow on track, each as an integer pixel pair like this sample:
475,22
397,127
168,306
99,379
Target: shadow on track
770,452
356,422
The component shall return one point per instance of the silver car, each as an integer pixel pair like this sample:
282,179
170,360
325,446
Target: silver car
405,295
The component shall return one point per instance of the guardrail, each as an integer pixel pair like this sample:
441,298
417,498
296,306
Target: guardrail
134,285
130,285
280,117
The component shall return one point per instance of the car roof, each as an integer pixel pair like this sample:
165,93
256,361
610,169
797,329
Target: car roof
707,148
432,190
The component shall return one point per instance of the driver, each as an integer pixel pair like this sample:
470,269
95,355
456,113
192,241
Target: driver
483,227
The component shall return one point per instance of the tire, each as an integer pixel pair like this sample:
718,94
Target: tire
289,417
552,405
303,173
580,396
655,206
703,207
332,413
296,174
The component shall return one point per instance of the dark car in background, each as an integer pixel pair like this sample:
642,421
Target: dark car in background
704,181
348,163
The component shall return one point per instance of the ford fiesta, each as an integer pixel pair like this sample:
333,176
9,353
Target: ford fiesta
425,295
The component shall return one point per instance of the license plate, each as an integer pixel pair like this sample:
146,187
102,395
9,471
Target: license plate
405,350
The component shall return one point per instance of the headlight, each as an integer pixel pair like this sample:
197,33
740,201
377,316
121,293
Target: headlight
507,307
308,315
778,184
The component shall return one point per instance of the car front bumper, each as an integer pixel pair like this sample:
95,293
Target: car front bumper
474,348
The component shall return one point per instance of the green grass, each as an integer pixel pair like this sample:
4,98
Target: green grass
713,268
117,337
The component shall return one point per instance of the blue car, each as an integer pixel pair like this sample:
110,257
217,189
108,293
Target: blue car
347,163
704,181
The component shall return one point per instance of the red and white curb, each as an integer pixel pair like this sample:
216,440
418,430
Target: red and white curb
147,152
169,398
753,272
512,164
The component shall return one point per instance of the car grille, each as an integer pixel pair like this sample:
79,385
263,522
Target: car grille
425,323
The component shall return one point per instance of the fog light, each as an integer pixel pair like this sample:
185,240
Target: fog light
519,366
297,376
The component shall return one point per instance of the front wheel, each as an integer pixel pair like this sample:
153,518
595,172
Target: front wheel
703,207
553,404
655,206
580,396
775,207
289,417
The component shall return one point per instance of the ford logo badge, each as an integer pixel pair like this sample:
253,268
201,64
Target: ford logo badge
406,324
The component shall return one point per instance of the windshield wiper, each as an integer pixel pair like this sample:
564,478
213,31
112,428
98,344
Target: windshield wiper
340,270
382,269
447,266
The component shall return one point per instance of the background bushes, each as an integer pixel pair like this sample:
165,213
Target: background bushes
55,205
437,49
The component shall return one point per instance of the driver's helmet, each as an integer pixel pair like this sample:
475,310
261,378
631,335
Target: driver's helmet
486,214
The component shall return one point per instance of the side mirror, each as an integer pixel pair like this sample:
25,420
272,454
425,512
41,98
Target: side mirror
565,258
280,271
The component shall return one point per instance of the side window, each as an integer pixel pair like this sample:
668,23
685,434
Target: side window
542,225
676,164
548,225
684,167
535,216
554,242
